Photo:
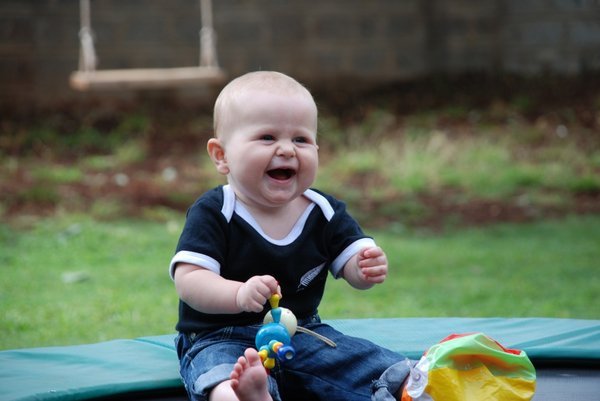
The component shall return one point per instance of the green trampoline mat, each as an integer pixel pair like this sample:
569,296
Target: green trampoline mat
107,369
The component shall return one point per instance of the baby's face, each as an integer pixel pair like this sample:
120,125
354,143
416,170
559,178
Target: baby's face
270,143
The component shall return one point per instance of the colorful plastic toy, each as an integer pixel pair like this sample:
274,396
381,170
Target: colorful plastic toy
274,339
471,367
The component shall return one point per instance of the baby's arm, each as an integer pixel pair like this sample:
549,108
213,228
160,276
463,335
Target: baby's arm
367,268
208,292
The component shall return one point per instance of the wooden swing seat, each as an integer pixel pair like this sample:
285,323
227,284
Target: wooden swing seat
146,78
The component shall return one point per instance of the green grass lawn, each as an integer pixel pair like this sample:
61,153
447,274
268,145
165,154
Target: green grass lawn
545,269
74,280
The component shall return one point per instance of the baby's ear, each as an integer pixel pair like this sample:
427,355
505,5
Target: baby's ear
217,154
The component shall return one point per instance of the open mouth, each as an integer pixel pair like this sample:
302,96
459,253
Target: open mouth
281,173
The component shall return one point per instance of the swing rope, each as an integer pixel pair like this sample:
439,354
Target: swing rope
87,52
208,48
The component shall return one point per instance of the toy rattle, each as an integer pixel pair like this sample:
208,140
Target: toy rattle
274,339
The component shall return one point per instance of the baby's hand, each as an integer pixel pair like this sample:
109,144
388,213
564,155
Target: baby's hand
254,293
373,265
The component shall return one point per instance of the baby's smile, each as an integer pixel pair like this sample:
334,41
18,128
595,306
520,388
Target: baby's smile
281,173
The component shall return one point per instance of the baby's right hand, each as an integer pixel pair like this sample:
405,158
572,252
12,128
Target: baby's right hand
254,293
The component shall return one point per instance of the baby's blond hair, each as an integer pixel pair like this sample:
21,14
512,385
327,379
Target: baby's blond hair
270,81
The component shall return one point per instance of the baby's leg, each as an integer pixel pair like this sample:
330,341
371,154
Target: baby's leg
249,378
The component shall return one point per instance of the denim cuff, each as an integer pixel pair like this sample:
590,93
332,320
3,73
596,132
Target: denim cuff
385,388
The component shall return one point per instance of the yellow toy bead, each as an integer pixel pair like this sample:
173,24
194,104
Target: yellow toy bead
269,363
274,301
264,354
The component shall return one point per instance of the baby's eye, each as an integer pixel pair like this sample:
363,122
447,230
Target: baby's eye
267,137
301,139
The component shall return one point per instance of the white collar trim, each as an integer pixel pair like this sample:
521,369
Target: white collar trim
230,205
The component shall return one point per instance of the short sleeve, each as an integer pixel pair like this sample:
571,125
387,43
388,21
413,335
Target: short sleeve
203,239
343,235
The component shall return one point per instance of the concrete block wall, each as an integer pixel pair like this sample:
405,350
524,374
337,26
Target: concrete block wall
371,41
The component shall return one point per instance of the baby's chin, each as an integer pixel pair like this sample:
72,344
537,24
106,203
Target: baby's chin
278,200
280,197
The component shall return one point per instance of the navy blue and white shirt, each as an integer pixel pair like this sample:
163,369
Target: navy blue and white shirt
222,236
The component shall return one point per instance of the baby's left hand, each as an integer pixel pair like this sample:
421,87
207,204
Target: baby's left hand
373,265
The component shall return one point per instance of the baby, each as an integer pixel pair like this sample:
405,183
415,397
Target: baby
264,232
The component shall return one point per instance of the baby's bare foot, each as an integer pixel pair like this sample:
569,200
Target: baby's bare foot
249,378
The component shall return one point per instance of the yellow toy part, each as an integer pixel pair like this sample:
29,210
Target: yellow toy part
269,363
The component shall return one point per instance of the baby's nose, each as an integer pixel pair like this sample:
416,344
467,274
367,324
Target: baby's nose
286,149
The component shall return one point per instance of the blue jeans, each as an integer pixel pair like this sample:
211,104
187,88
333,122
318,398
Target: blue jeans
356,369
